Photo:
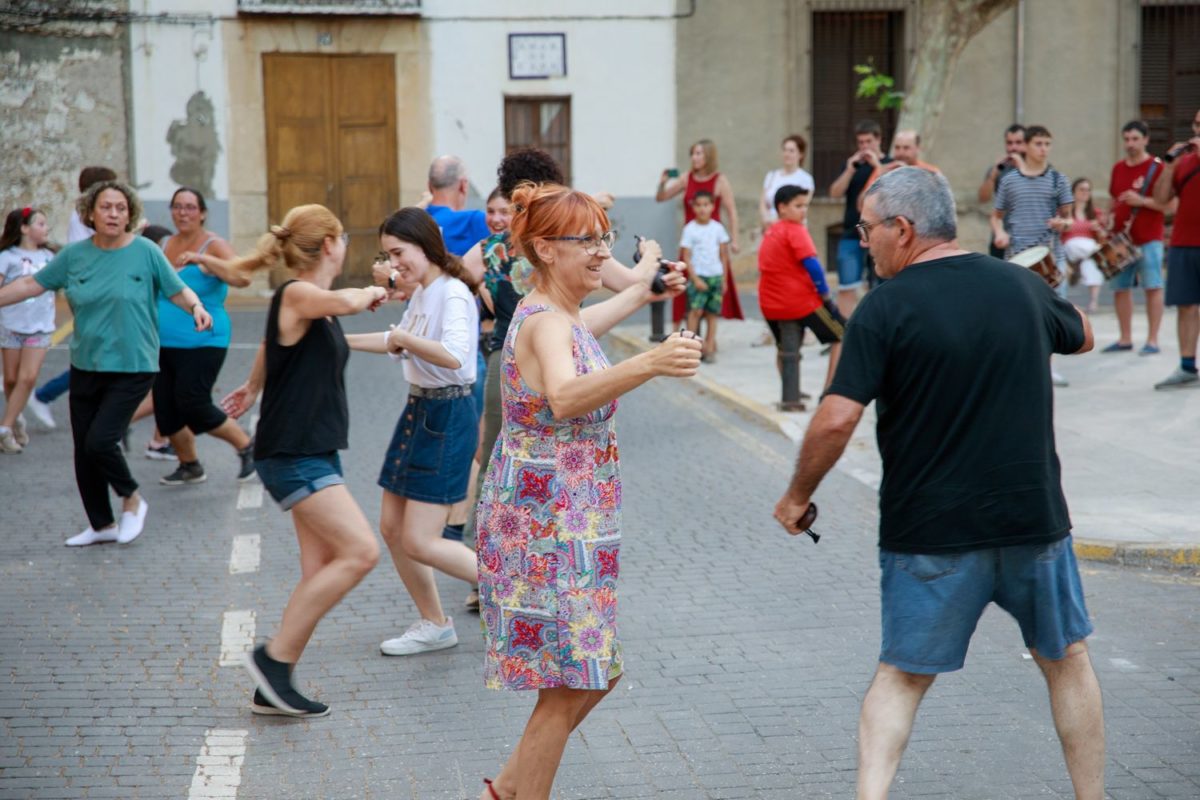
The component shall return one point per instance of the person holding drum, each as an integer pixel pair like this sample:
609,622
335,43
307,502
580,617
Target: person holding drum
1031,207
1137,215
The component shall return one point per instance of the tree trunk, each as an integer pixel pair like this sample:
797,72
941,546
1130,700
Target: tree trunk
945,27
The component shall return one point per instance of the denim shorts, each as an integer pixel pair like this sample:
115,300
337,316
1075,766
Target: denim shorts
932,603
1147,269
851,263
1183,276
290,479
430,456
11,340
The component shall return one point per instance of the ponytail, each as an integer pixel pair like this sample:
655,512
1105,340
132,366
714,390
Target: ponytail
296,243
415,226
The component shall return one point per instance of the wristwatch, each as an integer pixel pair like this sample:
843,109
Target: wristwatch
392,279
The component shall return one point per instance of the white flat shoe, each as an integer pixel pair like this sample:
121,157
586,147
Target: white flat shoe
132,523
92,537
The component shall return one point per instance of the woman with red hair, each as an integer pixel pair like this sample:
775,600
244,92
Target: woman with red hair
548,523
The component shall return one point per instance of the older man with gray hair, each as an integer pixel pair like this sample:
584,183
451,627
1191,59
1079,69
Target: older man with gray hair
955,348
448,186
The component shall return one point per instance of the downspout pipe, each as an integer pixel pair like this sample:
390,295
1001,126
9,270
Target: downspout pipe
1019,111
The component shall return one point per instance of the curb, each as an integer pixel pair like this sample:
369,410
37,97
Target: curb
1165,555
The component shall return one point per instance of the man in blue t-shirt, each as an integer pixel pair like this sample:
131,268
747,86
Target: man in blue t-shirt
971,507
461,229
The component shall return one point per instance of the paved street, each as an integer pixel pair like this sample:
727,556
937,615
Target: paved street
748,651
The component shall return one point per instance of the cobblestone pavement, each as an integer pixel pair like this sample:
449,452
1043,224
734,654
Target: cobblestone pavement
748,651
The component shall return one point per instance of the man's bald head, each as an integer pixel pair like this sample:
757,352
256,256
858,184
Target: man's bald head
906,147
445,172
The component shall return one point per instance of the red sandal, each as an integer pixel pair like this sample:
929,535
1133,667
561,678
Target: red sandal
491,789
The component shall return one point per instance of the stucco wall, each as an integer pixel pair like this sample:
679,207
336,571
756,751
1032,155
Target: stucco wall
62,106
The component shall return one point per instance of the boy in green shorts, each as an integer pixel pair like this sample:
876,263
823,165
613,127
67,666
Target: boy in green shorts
705,249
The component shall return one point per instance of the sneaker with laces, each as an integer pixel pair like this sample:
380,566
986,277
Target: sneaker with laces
91,536
246,455
19,431
274,681
185,473
42,412
421,637
8,442
1178,379
163,452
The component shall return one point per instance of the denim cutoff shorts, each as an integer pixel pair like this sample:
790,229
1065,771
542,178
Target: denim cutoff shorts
430,456
931,604
290,479
1147,269
851,263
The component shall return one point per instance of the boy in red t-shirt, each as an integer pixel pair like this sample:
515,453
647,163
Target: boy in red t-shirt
791,284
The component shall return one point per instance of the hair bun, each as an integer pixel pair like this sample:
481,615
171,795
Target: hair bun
281,233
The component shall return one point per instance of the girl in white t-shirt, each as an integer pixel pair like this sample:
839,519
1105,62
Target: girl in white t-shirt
25,327
428,463
794,148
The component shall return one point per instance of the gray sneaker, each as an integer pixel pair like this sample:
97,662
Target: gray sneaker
19,431
1179,379
186,473
8,442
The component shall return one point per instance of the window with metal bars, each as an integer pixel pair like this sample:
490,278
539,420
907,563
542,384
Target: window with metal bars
543,122
1169,90
840,40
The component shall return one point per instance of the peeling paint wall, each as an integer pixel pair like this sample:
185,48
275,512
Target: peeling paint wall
62,107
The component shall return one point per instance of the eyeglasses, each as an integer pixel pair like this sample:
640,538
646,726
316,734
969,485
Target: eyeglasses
591,244
864,228
178,207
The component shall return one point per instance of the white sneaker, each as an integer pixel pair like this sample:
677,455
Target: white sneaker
92,537
422,637
132,523
8,442
42,412
19,432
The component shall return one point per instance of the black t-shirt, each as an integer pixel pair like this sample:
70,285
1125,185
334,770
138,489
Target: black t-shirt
956,354
862,173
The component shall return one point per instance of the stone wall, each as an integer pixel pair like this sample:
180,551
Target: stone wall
62,100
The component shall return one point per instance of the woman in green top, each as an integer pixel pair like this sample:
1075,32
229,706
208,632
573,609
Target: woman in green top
112,281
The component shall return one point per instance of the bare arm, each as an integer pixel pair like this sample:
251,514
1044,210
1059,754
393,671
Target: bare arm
999,235
189,302
307,301
635,293
368,342
243,398
668,188
544,357
1089,341
218,261
428,350
473,261
842,182
824,442
1164,187
987,189
20,289
725,192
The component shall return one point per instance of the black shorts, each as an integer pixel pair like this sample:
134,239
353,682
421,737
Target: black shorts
827,323
1183,276
183,389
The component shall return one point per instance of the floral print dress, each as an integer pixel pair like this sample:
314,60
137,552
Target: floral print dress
548,536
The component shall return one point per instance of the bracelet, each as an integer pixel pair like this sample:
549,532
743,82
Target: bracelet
387,338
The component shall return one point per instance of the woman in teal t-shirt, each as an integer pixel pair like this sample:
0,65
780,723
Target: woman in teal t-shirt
112,281
189,361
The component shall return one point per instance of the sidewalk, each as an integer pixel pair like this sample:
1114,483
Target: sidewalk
1127,451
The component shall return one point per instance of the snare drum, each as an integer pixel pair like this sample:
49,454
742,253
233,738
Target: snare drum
1041,261
1116,254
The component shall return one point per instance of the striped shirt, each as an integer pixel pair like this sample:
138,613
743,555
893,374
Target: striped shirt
1028,202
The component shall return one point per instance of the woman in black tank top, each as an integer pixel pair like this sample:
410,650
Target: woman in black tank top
304,424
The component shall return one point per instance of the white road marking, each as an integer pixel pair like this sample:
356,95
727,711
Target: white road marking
245,554
250,495
237,637
219,765
1123,664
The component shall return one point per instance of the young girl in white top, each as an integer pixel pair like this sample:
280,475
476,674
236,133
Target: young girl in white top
428,463
25,327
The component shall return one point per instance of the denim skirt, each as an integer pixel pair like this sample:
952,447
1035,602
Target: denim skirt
430,456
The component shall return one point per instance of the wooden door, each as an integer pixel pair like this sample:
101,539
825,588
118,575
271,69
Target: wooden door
331,139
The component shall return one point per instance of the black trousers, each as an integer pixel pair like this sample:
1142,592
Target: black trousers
183,389
102,404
